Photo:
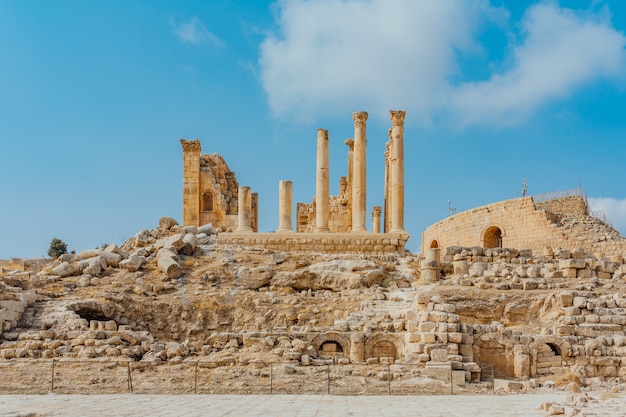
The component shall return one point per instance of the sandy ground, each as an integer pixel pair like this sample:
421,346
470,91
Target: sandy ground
295,405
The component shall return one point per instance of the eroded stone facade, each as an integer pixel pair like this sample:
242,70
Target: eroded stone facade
210,190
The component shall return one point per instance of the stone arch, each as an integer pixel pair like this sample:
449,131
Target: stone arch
548,354
492,237
207,201
342,344
383,345
434,244
495,350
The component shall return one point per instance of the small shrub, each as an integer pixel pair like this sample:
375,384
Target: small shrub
57,248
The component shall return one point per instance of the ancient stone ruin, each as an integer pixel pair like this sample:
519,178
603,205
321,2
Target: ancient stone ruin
523,293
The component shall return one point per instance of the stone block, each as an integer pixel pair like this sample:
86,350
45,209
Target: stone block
572,263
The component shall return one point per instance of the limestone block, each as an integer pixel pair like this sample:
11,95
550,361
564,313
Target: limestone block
566,299
439,355
65,269
569,273
254,278
112,259
572,263
585,273
580,302
460,267
427,326
133,263
167,222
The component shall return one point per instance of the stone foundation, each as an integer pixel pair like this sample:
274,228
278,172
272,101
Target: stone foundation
366,243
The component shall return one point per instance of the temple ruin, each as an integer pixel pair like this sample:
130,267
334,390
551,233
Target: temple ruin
211,191
331,224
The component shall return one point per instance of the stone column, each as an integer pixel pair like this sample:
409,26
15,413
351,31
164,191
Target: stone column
244,201
387,198
376,211
359,172
284,206
350,143
397,171
357,347
191,182
322,183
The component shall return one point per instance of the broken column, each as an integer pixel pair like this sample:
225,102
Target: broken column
284,206
245,209
387,198
350,143
429,267
359,171
376,212
322,183
357,347
397,171
191,182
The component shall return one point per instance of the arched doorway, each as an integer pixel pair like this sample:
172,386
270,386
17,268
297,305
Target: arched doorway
434,244
207,201
331,348
384,349
492,238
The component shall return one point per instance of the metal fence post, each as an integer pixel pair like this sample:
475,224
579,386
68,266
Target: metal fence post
52,379
271,378
195,379
328,379
451,384
388,379
130,379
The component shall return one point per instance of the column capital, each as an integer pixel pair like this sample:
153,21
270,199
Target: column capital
359,118
349,142
397,117
191,145
377,210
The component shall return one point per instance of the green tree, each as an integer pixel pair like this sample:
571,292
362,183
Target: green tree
57,248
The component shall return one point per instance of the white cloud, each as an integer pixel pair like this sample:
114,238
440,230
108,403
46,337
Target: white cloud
195,32
615,211
345,55
560,52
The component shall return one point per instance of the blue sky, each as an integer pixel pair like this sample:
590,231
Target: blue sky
94,97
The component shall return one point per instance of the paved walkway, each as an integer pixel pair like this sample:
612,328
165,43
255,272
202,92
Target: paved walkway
281,405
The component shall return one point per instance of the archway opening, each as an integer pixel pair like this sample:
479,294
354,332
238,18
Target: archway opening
492,238
434,244
207,201
384,349
331,348
554,348
498,356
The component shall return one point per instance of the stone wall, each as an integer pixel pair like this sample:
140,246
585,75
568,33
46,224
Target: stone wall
353,243
210,190
520,223
340,216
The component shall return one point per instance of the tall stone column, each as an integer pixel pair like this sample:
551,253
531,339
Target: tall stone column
359,172
350,143
397,171
191,182
322,183
285,189
357,347
244,201
376,211
387,190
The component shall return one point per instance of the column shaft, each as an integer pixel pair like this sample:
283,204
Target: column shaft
244,201
359,172
397,171
322,183
285,206
376,211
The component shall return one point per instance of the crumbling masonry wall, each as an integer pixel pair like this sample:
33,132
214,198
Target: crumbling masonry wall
522,223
